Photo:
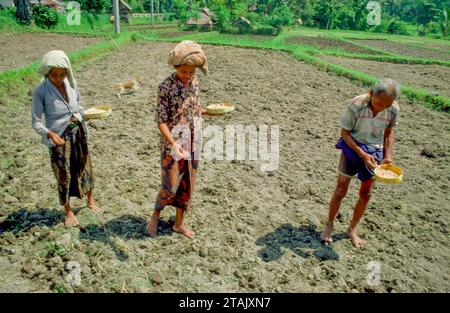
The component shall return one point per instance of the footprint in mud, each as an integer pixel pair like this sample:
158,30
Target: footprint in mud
304,241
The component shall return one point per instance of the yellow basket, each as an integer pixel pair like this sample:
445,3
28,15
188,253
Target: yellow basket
106,111
397,170
220,108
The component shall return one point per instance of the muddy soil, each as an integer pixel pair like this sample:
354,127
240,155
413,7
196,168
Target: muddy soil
404,49
20,49
255,231
434,78
329,43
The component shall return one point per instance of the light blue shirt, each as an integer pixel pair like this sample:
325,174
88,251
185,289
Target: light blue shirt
47,100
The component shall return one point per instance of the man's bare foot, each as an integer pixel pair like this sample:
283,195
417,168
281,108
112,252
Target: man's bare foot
152,226
356,240
326,233
70,219
182,229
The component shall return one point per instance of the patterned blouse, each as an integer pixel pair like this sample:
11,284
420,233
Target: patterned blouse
178,105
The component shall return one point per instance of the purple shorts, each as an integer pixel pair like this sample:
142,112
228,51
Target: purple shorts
351,164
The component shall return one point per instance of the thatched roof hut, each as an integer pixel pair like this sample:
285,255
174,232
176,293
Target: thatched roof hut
204,21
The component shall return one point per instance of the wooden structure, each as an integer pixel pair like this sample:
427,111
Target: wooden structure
7,4
58,6
203,22
243,23
124,12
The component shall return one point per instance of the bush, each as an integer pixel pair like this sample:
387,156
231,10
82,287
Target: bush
222,18
45,17
397,27
281,16
97,6
245,28
382,28
266,30
231,30
254,18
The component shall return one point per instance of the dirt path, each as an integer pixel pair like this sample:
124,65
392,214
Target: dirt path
403,49
434,78
20,49
256,231
329,43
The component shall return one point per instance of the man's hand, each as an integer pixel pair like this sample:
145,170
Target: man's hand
55,138
370,161
387,161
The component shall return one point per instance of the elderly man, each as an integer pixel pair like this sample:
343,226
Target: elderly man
367,137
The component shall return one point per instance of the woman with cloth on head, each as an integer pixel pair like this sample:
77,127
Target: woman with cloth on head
64,131
178,114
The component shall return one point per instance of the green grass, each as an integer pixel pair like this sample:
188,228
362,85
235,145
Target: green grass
350,34
382,56
8,22
89,24
148,20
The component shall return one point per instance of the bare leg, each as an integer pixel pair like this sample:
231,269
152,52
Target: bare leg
70,219
365,193
152,226
179,225
91,203
341,191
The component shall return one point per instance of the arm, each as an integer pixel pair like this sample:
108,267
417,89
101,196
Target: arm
388,143
37,109
367,158
348,122
79,106
166,133
162,117
168,136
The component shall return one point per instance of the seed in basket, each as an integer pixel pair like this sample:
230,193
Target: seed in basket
94,111
387,173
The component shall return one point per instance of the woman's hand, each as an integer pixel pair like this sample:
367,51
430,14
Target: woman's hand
180,152
55,138
369,160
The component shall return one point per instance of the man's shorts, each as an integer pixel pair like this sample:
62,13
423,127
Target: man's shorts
350,169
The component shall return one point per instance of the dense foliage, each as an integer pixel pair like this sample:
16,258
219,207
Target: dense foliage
397,16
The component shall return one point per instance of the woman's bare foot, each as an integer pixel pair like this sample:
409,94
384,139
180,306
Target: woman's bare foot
70,219
152,226
183,229
94,208
326,233
92,205
356,240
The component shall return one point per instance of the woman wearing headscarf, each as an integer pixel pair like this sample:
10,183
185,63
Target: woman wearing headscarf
178,114
64,131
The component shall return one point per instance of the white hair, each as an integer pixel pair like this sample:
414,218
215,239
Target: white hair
387,86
